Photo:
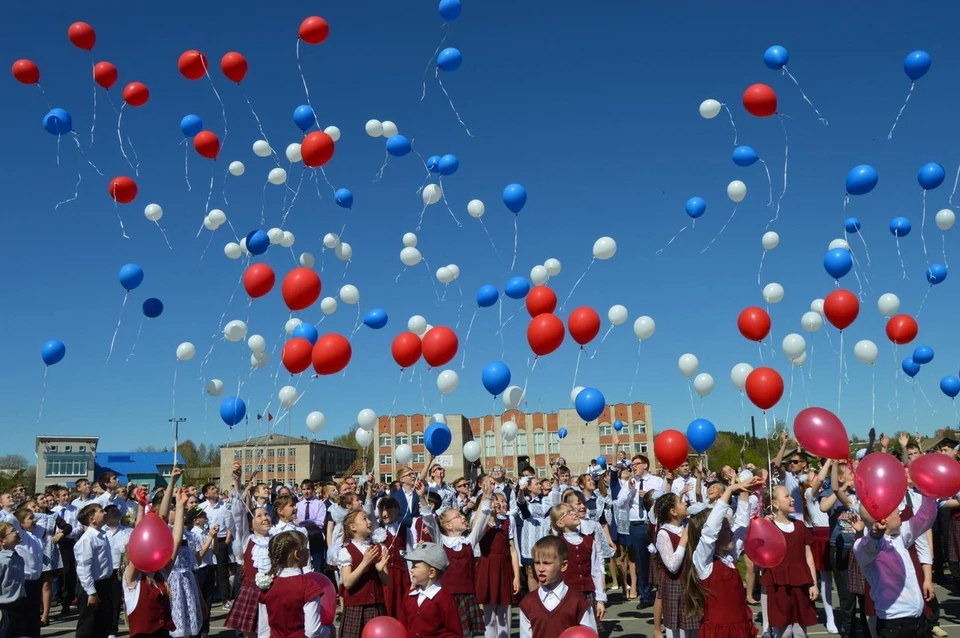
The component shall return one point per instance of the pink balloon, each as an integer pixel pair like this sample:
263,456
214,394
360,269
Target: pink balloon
579,631
328,601
765,543
936,475
822,433
881,484
151,544
383,627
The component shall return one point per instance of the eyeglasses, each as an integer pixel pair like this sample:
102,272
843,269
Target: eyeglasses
795,461
497,469
459,485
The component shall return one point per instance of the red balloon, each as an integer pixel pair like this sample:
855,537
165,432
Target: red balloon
765,544
234,66
317,149
754,323
82,35
301,287
136,94
760,100
26,72
841,308
545,334
123,190
105,74
764,387
579,631
314,30
258,280
207,144
671,449
331,354
151,544
406,349
820,432
439,346
902,329
328,599
297,355
192,64
583,324
881,483
541,300
936,475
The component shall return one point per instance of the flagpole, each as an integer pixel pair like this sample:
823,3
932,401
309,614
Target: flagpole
176,435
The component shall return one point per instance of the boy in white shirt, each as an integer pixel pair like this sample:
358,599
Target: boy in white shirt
94,575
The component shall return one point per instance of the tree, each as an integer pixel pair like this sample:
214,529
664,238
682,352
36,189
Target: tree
188,450
201,456
13,462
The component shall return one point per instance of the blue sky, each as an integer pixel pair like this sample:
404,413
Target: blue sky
595,112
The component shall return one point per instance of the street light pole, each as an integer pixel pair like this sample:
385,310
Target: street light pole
176,435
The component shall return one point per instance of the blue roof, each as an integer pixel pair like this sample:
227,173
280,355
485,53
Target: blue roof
126,463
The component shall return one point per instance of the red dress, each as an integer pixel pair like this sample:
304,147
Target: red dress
788,584
821,548
152,613
725,610
495,567
395,592
284,602
435,617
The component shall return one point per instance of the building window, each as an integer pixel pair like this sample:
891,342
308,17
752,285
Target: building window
249,469
259,452
385,440
270,453
639,428
605,430
249,454
386,478
82,448
538,442
522,443
63,465
68,448
281,452
554,442
237,454
418,438
280,467
507,448
542,472
419,457
270,468
53,448
639,448
291,467
386,459
490,445
607,449
402,439
292,452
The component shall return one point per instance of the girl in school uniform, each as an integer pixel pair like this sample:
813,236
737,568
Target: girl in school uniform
498,569
536,524
53,531
363,572
186,604
30,549
585,571
820,528
671,542
243,616
290,598
12,589
399,537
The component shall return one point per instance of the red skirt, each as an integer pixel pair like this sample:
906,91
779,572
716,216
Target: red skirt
396,591
495,580
744,629
789,604
821,548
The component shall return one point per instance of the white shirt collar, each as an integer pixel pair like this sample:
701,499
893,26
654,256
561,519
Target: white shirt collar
286,572
429,592
558,592
672,528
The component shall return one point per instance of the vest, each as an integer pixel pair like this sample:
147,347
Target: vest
553,623
249,569
728,603
579,574
367,590
284,602
675,541
460,577
436,618
422,531
397,545
152,613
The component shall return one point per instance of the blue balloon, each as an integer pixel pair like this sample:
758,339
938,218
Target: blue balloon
131,276
517,288
450,9
57,122
449,59
923,355
950,386
514,197
930,176
900,226
448,164
304,117
232,410
776,57
257,242
745,156
495,377
398,145
343,197
701,434
910,367
375,318
916,65
590,404
152,308
618,425
487,296
306,331
602,461
562,433
851,225
433,163
862,179
936,273
190,125
695,207
838,262
53,351
437,438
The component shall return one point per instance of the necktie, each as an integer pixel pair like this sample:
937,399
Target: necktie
307,513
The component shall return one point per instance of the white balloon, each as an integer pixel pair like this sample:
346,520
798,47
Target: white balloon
275,235
688,365
438,417
328,305
888,304
217,216
739,374
307,260
817,306
185,351
811,321
259,359
257,343
403,454
427,329
344,251
508,431
367,419
703,384
604,248
153,212
539,275
448,381
288,396
866,351
736,191
363,437
236,168
839,243
389,128
214,387
374,128
417,325
209,224
553,266
293,152
799,361
512,397
277,176
770,240
794,345
349,294
444,275
334,134
709,109
410,256
315,421
291,325
617,315
644,327
233,250
432,194
945,219
410,240
288,239
331,240
235,330
773,293
454,270
262,149
243,245
573,393
471,451
476,208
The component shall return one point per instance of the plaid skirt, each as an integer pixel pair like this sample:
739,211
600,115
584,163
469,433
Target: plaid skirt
471,616
670,591
246,608
953,540
859,585
356,617
656,567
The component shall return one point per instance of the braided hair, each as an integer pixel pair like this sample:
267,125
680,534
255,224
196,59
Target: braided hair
280,548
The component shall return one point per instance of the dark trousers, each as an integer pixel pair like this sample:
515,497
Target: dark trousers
839,562
94,622
904,628
68,581
116,604
32,607
11,619
223,569
205,581
639,540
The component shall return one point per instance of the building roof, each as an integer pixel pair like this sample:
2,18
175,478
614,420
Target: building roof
126,463
46,438
279,439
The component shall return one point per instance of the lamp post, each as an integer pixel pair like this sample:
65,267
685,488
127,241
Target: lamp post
176,435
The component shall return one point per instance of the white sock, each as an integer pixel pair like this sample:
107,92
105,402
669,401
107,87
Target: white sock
763,610
497,621
826,596
872,626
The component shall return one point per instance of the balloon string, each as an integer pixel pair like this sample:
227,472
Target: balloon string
516,238
810,358
576,370
604,338
123,151
913,382
396,394
263,136
923,301
823,120
923,222
219,331
636,370
327,180
769,184
790,393
896,379
956,180
760,350
223,109
423,212
840,376
577,283
114,339
943,248
873,396
503,347
856,273
426,67
76,188
93,124
786,159
504,324
909,93
760,270
293,200
489,237
43,392
432,279
736,135
526,382
903,267
186,164
263,202
386,160
463,361
443,194
722,228
436,74
460,309
206,208
679,232
693,405
173,411
44,95
865,249
137,338
303,78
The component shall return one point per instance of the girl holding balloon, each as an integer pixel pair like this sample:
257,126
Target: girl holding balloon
585,573
498,570
186,603
820,528
363,572
671,541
